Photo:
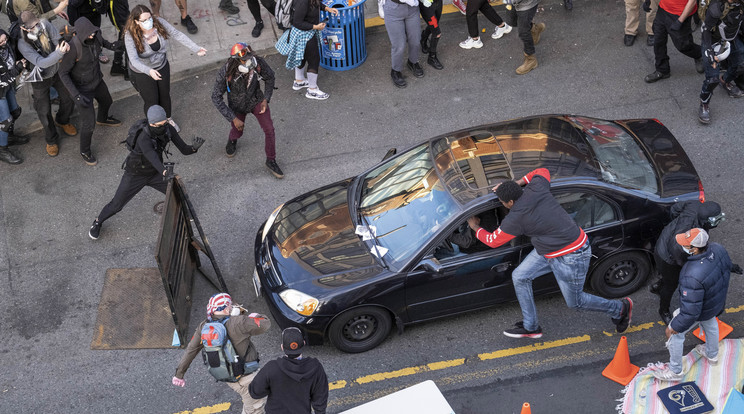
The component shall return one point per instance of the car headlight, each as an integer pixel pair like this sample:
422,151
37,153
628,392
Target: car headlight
270,222
299,302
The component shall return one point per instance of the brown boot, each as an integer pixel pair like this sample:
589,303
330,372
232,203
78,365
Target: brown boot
530,62
536,30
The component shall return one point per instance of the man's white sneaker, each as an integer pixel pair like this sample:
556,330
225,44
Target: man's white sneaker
316,94
299,85
701,350
501,31
667,374
470,43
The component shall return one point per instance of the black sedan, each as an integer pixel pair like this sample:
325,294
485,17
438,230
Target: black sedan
349,260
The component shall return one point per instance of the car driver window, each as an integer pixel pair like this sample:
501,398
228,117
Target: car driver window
462,240
587,210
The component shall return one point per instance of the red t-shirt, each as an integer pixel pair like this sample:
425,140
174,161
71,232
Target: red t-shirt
675,7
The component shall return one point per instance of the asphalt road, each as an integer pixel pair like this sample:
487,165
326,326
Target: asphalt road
52,273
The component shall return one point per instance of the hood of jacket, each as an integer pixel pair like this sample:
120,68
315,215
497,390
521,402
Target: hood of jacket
299,369
84,28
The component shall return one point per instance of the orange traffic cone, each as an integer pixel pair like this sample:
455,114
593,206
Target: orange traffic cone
620,369
723,331
526,408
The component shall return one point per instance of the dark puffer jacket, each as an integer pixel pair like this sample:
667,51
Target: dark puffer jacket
242,97
686,215
703,284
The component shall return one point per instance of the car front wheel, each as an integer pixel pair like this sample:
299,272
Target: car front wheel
360,329
621,274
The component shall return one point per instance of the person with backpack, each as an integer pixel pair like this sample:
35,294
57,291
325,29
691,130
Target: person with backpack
294,383
239,327
10,68
300,45
721,42
147,141
146,38
240,78
42,45
80,72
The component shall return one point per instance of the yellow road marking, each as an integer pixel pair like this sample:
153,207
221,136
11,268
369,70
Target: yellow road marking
335,385
734,310
217,408
534,347
635,328
409,371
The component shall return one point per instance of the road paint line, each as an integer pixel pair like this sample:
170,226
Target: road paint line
534,347
433,366
635,328
335,385
446,364
734,310
217,408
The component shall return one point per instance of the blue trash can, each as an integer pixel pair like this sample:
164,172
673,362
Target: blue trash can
342,42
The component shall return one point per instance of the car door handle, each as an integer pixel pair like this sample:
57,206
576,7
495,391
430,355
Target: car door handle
501,267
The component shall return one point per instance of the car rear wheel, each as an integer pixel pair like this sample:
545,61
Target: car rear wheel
360,329
621,274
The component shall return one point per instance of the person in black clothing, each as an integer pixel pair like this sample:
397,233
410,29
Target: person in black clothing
722,23
9,109
83,8
669,255
144,164
240,78
253,6
80,71
431,12
118,13
673,21
294,384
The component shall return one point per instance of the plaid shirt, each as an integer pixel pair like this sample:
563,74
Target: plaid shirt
292,45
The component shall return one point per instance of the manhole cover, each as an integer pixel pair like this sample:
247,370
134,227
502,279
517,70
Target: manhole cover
158,207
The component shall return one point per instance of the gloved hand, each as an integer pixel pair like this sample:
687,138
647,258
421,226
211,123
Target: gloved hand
178,382
647,6
196,143
676,25
117,45
83,100
737,269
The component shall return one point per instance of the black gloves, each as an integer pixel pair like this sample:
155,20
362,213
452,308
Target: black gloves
735,268
196,143
168,174
117,45
647,6
676,25
83,100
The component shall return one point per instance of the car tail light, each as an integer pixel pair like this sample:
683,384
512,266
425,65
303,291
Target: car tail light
701,195
657,121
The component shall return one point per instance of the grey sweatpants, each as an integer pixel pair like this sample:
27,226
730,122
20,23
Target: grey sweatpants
403,25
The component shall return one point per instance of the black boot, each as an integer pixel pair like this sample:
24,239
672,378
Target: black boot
256,32
118,69
6,155
228,7
398,79
16,113
434,62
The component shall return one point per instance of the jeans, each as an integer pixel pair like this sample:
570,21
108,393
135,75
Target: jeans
570,273
523,21
8,104
734,62
681,38
403,26
265,122
676,343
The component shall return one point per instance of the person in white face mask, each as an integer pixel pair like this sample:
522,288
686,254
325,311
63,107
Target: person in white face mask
239,77
146,38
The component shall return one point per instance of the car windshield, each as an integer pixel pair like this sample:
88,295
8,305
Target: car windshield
404,200
621,160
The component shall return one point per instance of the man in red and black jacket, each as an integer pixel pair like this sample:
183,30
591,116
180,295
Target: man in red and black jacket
561,246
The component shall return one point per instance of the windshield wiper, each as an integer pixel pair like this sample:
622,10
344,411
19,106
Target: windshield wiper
363,219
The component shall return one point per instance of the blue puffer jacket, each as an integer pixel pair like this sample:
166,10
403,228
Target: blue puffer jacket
703,284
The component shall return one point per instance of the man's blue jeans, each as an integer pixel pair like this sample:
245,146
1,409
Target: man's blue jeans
676,343
8,104
570,272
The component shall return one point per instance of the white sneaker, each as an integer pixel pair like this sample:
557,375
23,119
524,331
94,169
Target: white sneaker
316,94
299,85
501,31
470,43
667,374
701,350
174,124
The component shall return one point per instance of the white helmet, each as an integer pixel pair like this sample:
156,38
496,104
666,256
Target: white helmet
721,50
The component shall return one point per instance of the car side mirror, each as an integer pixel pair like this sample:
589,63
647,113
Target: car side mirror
431,264
390,153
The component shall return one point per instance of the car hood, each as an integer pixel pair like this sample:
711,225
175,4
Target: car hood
676,171
313,242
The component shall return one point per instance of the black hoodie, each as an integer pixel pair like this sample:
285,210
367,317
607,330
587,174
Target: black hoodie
685,215
292,385
83,74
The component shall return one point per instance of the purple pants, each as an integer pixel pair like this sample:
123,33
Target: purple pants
264,120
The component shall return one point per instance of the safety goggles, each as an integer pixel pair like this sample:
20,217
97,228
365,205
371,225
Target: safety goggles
242,54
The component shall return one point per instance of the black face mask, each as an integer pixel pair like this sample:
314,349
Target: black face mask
157,131
88,41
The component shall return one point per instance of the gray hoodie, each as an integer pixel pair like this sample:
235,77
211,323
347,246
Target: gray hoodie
151,59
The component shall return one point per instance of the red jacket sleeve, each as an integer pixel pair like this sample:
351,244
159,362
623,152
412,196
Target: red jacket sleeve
495,239
543,172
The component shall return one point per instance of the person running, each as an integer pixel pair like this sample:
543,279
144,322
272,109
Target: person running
471,17
561,247
146,38
240,78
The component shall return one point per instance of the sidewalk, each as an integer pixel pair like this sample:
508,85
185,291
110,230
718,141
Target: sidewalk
218,31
